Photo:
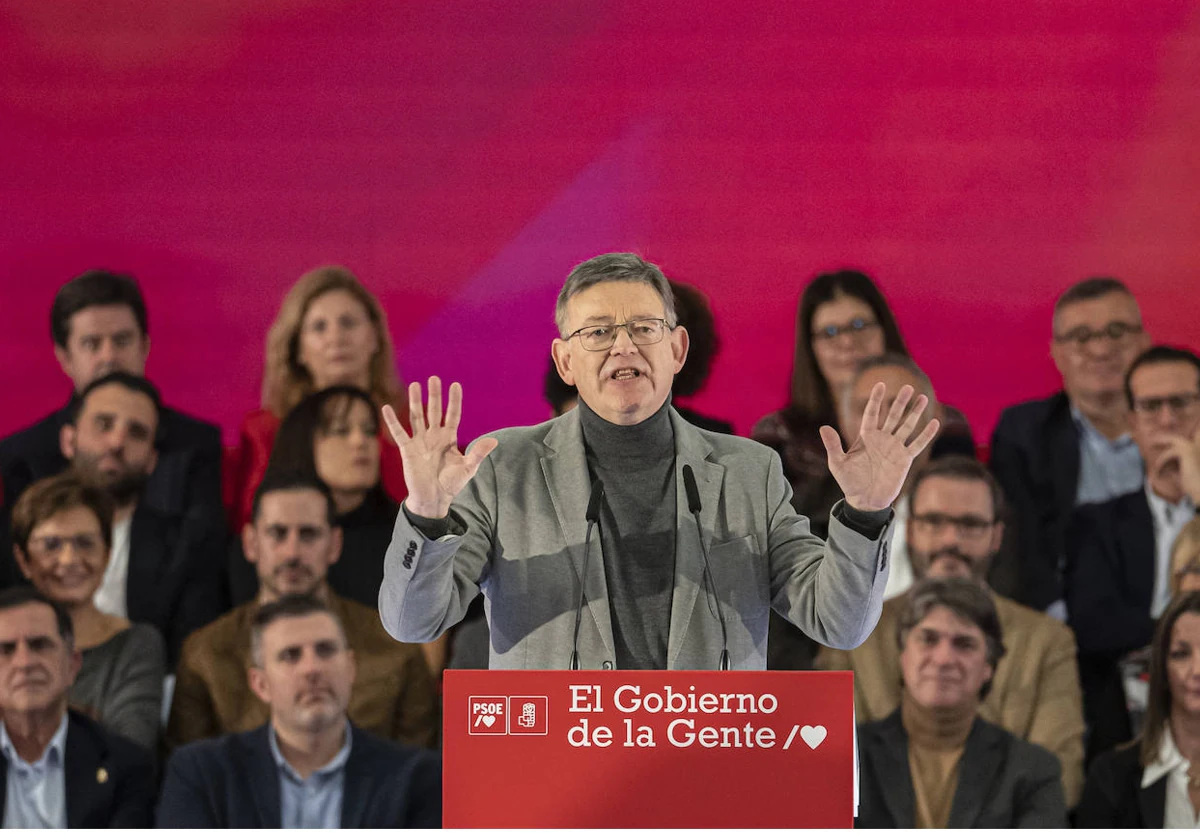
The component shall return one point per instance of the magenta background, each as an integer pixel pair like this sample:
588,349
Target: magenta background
462,156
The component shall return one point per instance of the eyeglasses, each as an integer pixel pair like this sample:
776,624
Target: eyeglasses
603,336
1178,403
82,543
1081,337
852,328
967,527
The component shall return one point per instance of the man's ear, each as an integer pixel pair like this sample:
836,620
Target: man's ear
680,342
249,543
997,536
337,539
258,684
22,561
560,351
64,360
67,436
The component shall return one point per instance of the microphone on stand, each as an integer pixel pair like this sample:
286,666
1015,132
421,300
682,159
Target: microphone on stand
593,516
710,587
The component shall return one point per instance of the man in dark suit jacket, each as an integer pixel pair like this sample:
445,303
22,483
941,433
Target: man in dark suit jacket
934,763
1118,552
309,767
1073,448
68,771
99,324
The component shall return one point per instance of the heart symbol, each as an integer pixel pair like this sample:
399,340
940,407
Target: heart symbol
813,736
490,719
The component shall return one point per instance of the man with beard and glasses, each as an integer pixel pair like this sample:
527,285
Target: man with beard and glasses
160,568
308,766
292,540
954,531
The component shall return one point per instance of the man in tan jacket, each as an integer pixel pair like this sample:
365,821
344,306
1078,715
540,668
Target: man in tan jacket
954,530
292,541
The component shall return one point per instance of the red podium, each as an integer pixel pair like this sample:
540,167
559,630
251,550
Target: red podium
648,749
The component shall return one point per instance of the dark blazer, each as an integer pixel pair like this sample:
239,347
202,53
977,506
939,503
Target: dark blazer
109,781
1114,796
186,480
1003,781
176,577
232,782
1035,457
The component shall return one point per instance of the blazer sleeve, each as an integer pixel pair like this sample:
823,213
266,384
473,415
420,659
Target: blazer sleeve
833,591
132,705
204,593
1040,802
1057,719
133,802
185,801
1100,805
193,716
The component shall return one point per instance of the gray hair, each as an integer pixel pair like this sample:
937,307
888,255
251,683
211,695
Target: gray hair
629,268
967,600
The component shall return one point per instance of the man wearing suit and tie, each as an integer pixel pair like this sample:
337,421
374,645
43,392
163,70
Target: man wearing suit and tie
308,767
1118,566
58,769
512,525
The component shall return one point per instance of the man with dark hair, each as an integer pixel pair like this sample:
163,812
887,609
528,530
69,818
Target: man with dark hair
58,769
98,324
1074,448
308,766
954,530
935,762
160,568
1118,553
292,541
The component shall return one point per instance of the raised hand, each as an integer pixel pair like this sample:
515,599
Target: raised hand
872,472
1176,469
434,470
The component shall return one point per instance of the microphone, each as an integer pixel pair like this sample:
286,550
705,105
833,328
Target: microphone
710,587
593,516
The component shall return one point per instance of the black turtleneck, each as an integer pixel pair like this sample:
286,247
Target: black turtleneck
637,530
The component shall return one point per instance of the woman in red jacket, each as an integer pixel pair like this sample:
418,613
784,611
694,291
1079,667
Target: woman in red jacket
330,331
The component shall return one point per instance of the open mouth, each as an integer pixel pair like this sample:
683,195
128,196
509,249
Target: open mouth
625,374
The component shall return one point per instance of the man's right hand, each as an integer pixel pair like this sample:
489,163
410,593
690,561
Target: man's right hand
434,470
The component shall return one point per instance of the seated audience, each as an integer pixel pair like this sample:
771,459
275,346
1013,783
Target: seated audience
99,324
954,531
58,768
292,540
1074,448
329,331
62,531
1118,572
160,568
934,762
1155,781
842,319
308,766
333,434
693,314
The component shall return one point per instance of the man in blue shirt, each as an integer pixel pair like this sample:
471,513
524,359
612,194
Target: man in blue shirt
58,769
309,767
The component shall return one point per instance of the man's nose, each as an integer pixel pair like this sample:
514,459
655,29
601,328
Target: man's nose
623,343
22,656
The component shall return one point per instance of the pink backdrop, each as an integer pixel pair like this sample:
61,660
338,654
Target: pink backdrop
461,156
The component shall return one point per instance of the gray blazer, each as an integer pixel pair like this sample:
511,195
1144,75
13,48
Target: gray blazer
519,537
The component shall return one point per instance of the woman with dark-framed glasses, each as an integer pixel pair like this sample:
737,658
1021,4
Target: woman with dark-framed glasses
62,536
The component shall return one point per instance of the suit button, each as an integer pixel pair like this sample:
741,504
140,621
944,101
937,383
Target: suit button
407,562
607,666
412,545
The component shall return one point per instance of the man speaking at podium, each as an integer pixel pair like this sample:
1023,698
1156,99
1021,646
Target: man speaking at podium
616,496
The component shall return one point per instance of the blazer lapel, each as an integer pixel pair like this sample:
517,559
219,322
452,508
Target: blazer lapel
692,449
3,784
889,759
87,781
142,573
1135,537
1152,802
263,778
981,762
1064,455
568,480
357,788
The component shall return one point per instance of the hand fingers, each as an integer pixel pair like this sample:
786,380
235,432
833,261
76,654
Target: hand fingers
897,410
870,418
435,402
482,448
393,424
833,443
925,438
904,432
416,411
454,406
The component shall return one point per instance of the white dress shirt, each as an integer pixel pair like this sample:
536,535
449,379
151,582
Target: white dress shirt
900,573
1172,764
1169,520
110,597
36,792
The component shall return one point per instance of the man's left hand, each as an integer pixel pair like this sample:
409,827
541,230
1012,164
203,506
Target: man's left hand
872,472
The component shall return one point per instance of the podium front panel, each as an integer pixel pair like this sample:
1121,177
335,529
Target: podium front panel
648,749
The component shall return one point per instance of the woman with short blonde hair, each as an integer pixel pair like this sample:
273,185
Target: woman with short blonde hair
1185,559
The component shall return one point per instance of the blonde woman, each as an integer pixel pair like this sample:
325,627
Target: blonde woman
329,331
1185,559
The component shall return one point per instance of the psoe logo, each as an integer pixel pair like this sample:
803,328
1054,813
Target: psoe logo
528,716
488,715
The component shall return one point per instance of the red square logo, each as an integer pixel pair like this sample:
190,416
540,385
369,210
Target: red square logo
528,716
488,715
